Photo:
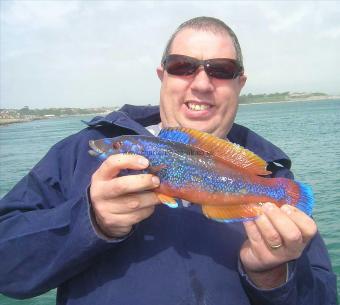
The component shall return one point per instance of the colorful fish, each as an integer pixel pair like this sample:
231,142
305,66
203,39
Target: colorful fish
225,178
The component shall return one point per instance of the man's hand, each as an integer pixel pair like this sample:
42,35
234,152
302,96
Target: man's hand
120,202
275,238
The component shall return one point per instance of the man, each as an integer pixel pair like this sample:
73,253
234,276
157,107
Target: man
73,223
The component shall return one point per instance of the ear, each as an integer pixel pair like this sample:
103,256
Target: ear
242,81
160,73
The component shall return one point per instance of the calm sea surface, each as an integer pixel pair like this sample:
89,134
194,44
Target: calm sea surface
309,132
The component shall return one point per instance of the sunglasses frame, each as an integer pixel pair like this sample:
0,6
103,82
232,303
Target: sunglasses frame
206,63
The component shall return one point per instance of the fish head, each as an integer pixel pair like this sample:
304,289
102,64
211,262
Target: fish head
103,148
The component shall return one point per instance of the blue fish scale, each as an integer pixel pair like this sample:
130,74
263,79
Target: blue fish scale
275,192
154,153
195,172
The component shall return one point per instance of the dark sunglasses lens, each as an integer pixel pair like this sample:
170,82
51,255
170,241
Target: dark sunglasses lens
180,65
223,68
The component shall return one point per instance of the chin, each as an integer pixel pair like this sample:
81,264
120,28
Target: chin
201,126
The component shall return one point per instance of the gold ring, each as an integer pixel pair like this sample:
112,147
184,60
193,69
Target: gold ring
275,246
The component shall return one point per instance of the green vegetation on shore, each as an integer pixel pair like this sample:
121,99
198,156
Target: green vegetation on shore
60,111
281,97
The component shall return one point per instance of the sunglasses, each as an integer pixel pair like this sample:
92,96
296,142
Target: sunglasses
222,68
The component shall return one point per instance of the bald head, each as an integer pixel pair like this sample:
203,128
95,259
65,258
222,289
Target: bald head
208,24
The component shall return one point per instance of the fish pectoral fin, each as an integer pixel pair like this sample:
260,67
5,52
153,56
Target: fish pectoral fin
224,150
167,200
232,213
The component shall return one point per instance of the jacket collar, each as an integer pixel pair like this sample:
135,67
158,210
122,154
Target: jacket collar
131,117
136,118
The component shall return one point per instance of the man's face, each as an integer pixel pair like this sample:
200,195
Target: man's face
198,101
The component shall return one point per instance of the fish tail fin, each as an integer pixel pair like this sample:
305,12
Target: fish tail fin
306,198
294,193
297,194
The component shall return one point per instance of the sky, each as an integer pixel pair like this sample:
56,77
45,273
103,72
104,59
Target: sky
105,53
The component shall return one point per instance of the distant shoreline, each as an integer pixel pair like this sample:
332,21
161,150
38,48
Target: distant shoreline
311,99
6,122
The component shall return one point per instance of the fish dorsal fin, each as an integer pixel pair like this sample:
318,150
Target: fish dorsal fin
224,150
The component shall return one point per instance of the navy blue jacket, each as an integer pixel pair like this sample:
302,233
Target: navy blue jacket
177,256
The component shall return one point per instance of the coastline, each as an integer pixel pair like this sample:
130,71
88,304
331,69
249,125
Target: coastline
297,100
6,122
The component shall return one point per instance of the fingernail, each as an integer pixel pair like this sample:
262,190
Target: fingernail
268,206
286,209
143,161
155,180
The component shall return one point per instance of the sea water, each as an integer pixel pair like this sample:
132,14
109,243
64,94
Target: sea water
309,132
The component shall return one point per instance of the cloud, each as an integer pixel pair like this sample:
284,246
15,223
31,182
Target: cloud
88,53
282,17
326,20
38,13
332,33
320,17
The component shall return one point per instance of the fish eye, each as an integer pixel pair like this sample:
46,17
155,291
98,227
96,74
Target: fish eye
117,145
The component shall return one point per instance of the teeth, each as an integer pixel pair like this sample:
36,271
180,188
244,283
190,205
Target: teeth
197,107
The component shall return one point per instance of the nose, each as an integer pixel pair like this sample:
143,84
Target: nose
201,82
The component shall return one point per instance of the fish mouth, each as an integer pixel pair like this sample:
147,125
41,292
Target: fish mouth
92,144
95,150
104,147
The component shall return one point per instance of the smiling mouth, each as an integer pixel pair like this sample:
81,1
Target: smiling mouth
197,106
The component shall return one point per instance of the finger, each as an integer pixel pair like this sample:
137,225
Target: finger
130,219
130,184
305,223
289,231
132,203
115,163
269,233
253,233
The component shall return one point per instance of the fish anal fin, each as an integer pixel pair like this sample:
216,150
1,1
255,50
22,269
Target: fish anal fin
221,149
167,200
230,213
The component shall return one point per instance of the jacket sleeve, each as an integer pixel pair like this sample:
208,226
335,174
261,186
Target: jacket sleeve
310,281
46,235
